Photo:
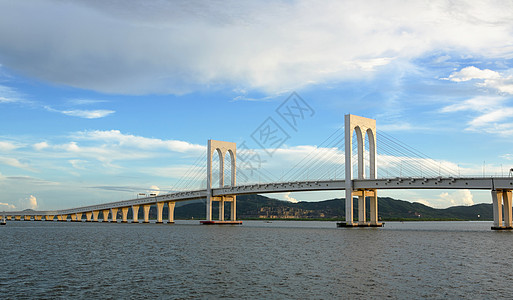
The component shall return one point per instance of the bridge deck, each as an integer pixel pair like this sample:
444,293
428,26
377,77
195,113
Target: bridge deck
475,183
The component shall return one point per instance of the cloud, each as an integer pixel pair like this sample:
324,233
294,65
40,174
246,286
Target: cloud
290,199
7,146
86,114
492,114
134,47
460,197
85,101
478,104
40,146
472,72
128,140
32,202
445,199
9,95
154,190
31,180
7,205
487,78
13,162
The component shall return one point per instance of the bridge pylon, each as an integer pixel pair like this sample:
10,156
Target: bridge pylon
222,149
502,203
363,127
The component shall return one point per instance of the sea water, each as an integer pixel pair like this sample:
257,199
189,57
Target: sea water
256,260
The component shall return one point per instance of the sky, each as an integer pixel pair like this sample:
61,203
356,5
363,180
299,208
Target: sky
103,100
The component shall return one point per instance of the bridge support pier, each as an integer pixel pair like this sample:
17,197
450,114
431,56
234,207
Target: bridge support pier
500,198
79,217
114,215
362,220
9,218
73,217
26,218
47,218
105,214
38,218
374,220
171,212
124,213
89,214
146,208
160,209
135,213
95,215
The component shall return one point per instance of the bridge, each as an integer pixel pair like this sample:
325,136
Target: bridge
361,187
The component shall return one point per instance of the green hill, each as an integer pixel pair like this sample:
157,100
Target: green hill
258,206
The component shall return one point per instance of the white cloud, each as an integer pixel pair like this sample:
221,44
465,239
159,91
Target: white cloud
13,162
9,95
7,205
7,146
128,140
40,146
460,197
32,202
134,47
493,115
503,83
472,72
479,104
445,199
290,199
84,101
154,190
86,114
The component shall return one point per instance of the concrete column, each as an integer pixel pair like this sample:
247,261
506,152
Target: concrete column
361,208
135,213
105,214
95,215
49,218
233,210
79,217
26,218
497,208
160,208
64,218
114,214
374,208
221,209
124,213
506,196
171,212
73,217
146,208
209,207
89,214
17,218
38,218
9,218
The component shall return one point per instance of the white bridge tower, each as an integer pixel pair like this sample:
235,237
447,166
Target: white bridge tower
362,126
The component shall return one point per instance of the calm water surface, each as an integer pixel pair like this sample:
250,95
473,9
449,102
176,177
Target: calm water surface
284,260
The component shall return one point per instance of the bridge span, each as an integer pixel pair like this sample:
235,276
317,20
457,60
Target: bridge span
361,187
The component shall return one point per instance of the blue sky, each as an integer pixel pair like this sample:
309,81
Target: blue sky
101,100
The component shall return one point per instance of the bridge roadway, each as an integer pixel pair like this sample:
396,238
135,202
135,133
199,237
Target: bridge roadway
474,183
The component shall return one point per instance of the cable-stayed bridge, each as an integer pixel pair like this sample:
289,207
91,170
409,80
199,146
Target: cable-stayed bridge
400,167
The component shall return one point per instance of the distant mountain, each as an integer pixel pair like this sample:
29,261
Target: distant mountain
257,206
